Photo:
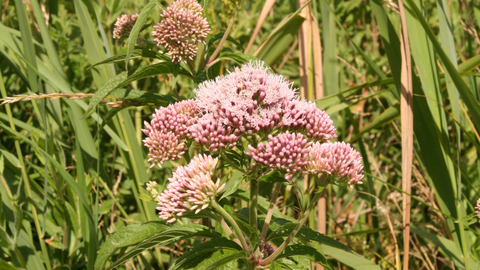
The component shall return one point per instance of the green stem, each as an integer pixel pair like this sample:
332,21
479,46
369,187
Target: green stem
268,218
234,224
227,230
297,228
253,202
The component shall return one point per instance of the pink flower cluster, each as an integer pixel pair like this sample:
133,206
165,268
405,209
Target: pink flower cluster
305,117
191,188
249,99
286,152
477,208
167,131
338,160
124,25
182,27
254,103
211,134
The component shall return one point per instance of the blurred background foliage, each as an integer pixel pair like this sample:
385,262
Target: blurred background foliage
67,183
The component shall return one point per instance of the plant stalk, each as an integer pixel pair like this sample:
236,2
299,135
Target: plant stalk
297,228
234,224
268,218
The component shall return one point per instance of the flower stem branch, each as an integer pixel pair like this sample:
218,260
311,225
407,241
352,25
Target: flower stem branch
225,35
297,228
227,229
234,224
268,218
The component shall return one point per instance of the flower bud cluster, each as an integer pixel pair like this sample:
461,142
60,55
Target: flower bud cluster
477,208
167,131
211,134
182,27
191,188
286,152
305,117
337,159
152,188
124,25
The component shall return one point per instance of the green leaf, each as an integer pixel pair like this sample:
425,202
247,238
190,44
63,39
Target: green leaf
173,234
309,252
273,177
232,184
279,40
142,97
204,251
127,236
222,258
352,260
238,57
305,233
447,246
5,266
384,118
125,78
218,37
134,55
132,38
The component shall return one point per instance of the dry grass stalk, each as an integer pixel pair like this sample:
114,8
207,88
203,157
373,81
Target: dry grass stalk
406,110
8,100
267,7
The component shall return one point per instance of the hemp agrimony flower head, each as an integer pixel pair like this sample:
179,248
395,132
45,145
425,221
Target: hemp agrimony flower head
168,130
191,188
248,100
123,26
211,134
286,152
337,159
182,27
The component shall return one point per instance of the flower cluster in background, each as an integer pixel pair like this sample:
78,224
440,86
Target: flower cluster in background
123,26
182,27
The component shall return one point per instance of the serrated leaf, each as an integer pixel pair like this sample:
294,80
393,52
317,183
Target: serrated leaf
134,55
173,234
203,251
306,233
232,184
306,251
125,78
218,37
273,177
132,38
222,258
125,237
